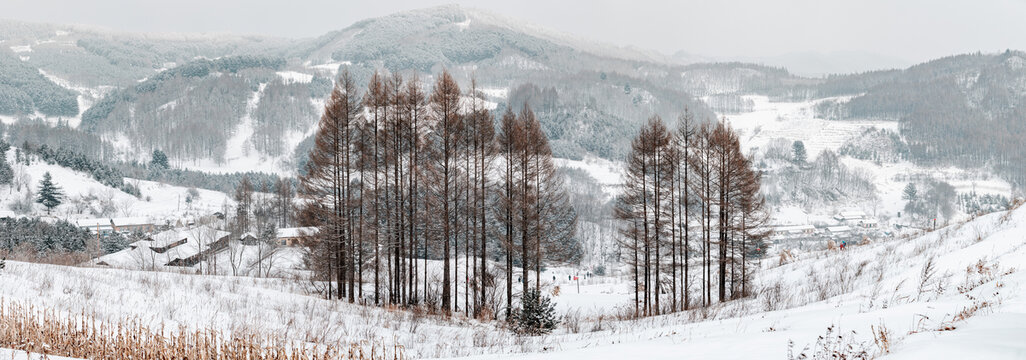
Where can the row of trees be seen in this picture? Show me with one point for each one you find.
(398, 177)
(689, 195)
(257, 220)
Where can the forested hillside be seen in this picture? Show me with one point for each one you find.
(141, 90)
(963, 110)
(252, 100)
(23, 90)
(207, 99)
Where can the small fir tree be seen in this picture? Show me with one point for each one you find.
(800, 155)
(6, 173)
(910, 193)
(160, 160)
(537, 315)
(49, 194)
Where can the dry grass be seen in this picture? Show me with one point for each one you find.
(49, 332)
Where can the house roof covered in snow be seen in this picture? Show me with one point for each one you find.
(851, 215)
(144, 254)
(794, 228)
(838, 229)
(297, 232)
(123, 221)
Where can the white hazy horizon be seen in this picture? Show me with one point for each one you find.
(811, 32)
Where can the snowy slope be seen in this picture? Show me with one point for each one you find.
(927, 311)
(771, 121)
(856, 292)
(158, 202)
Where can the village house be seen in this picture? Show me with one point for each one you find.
(177, 247)
(850, 217)
(838, 231)
(794, 230)
(868, 223)
(301, 236)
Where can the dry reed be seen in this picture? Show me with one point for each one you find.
(48, 332)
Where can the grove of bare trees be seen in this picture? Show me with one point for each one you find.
(422, 200)
(690, 201)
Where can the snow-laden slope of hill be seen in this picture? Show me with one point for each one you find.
(929, 295)
(84, 197)
(775, 125)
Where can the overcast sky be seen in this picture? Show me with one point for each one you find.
(913, 30)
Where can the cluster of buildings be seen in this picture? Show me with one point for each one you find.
(180, 243)
(847, 224)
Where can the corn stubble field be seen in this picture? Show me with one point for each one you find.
(48, 332)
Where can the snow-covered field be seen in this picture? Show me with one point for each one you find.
(8, 354)
(796, 121)
(159, 201)
(605, 172)
(937, 295)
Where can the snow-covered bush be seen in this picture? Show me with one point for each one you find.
(537, 315)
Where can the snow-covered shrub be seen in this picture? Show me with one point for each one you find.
(537, 315)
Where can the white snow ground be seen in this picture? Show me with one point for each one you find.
(793, 121)
(159, 202)
(8, 354)
(857, 292)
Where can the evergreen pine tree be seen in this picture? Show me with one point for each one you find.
(537, 315)
(113, 242)
(799, 152)
(49, 194)
(160, 160)
(910, 193)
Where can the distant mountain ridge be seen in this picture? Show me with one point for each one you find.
(589, 96)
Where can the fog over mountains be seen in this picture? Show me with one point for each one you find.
(451, 182)
(138, 92)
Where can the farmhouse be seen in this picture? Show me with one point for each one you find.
(296, 236)
(839, 230)
(868, 223)
(795, 230)
(179, 247)
(850, 217)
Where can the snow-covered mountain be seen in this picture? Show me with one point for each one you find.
(137, 91)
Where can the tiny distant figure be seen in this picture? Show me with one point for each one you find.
(568, 278)
(843, 244)
(520, 279)
(553, 277)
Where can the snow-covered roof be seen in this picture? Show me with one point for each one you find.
(794, 228)
(123, 221)
(297, 232)
(142, 256)
(851, 214)
(837, 229)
